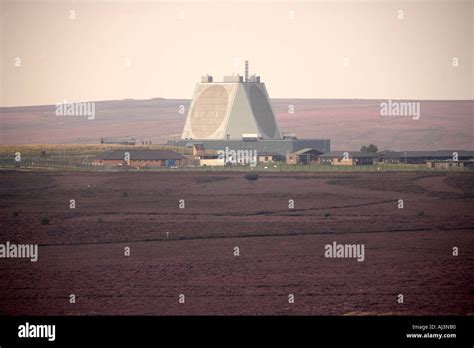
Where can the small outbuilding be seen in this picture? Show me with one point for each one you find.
(269, 157)
(303, 156)
(140, 158)
(449, 164)
(348, 158)
(211, 160)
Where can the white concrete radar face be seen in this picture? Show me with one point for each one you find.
(208, 114)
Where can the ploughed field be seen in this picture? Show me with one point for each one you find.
(191, 251)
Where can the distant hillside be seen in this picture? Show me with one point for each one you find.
(348, 123)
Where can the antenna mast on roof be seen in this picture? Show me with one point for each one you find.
(246, 71)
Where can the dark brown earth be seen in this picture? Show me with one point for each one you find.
(407, 251)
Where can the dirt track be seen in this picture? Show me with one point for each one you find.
(407, 251)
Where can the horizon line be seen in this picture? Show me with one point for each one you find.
(278, 98)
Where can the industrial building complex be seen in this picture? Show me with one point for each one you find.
(233, 123)
(237, 114)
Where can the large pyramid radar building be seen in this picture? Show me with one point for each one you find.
(233, 109)
(237, 114)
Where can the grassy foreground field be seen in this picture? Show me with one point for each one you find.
(191, 251)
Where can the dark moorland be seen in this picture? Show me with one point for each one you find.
(407, 251)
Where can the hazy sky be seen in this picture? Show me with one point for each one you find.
(128, 49)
